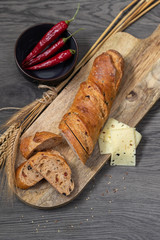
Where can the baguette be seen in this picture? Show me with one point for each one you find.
(92, 103)
(55, 170)
(39, 142)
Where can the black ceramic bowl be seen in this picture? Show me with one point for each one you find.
(51, 76)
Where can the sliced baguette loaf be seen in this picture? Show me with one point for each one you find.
(55, 170)
(39, 142)
(105, 77)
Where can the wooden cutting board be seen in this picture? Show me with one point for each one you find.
(139, 90)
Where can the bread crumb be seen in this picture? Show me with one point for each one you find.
(115, 190)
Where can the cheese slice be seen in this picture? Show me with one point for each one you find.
(104, 147)
(116, 139)
(123, 147)
(114, 124)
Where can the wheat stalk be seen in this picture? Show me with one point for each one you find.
(8, 179)
(11, 158)
(23, 119)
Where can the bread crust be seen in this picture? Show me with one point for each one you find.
(104, 80)
(38, 142)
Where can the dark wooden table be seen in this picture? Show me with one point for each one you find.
(121, 202)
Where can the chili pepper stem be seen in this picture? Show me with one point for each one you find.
(72, 19)
(66, 39)
(72, 51)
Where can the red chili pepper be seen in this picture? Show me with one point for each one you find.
(59, 58)
(50, 51)
(51, 35)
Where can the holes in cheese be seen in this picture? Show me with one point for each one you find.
(109, 140)
(124, 147)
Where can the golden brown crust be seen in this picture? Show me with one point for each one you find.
(92, 92)
(25, 146)
(102, 67)
(77, 126)
(118, 62)
(19, 182)
(38, 142)
(92, 106)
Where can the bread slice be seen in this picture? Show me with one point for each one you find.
(55, 170)
(26, 176)
(76, 125)
(73, 142)
(92, 92)
(39, 142)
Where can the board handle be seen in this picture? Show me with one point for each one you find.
(156, 72)
(155, 35)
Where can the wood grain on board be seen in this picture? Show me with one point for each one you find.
(139, 90)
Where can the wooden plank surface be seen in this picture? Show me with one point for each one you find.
(120, 203)
(140, 89)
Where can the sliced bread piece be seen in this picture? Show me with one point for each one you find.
(39, 142)
(55, 170)
(26, 176)
(92, 92)
(76, 125)
(73, 142)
